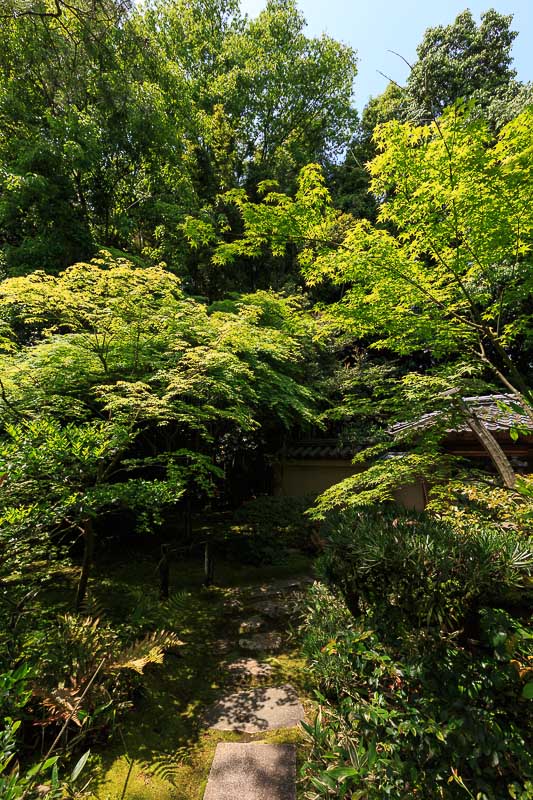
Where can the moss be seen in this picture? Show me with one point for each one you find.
(160, 750)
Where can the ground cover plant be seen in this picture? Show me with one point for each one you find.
(120, 397)
(421, 643)
(206, 256)
(141, 719)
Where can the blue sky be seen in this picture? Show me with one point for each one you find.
(376, 26)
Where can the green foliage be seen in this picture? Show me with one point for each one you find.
(119, 392)
(119, 120)
(419, 572)
(142, 350)
(447, 263)
(282, 515)
(456, 267)
(470, 500)
(463, 60)
(16, 784)
(460, 61)
(395, 722)
(69, 652)
(268, 526)
(77, 676)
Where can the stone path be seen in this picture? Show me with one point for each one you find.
(257, 710)
(252, 625)
(246, 668)
(250, 771)
(262, 641)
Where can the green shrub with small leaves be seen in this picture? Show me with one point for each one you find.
(43, 777)
(441, 722)
(270, 526)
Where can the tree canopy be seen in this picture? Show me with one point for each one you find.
(117, 122)
(446, 270)
(118, 391)
(221, 289)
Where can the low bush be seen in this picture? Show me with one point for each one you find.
(447, 724)
(268, 527)
(415, 572)
(42, 779)
(64, 680)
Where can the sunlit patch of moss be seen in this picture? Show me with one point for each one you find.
(162, 739)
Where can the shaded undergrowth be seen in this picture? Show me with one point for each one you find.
(161, 749)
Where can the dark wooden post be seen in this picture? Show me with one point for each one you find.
(209, 565)
(88, 554)
(188, 517)
(164, 573)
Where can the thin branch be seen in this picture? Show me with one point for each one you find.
(16, 14)
(389, 79)
(66, 722)
(405, 61)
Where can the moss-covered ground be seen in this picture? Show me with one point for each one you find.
(160, 750)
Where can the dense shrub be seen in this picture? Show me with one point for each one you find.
(64, 680)
(449, 723)
(43, 777)
(416, 572)
(269, 526)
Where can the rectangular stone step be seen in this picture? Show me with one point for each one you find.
(252, 772)
(256, 710)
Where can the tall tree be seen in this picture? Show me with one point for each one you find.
(118, 122)
(89, 141)
(119, 392)
(449, 275)
(464, 60)
(266, 99)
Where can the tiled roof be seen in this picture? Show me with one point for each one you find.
(488, 408)
(318, 448)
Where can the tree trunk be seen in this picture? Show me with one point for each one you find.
(164, 573)
(188, 517)
(88, 553)
(491, 445)
(209, 566)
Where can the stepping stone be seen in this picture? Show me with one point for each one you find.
(264, 591)
(223, 646)
(233, 605)
(249, 668)
(252, 772)
(281, 586)
(261, 641)
(256, 710)
(272, 609)
(251, 625)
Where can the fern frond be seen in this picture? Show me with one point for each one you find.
(93, 608)
(179, 602)
(59, 704)
(150, 650)
(165, 766)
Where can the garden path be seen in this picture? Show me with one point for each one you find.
(256, 771)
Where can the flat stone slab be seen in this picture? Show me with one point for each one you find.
(223, 646)
(249, 668)
(272, 608)
(251, 625)
(233, 606)
(256, 710)
(252, 772)
(261, 641)
(275, 588)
